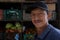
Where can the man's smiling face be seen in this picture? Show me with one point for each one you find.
(39, 17)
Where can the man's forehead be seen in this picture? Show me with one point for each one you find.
(37, 10)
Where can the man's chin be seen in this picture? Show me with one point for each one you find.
(39, 25)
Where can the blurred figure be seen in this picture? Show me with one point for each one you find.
(17, 36)
(40, 17)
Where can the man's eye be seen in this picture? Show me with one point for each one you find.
(33, 14)
(40, 13)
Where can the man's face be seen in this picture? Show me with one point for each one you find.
(39, 17)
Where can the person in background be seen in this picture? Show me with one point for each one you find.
(40, 17)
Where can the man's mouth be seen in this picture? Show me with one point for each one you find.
(37, 21)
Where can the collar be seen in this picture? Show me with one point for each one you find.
(44, 34)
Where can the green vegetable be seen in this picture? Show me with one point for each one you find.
(9, 25)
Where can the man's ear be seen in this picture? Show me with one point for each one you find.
(49, 15)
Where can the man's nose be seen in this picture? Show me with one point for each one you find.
(36, 18)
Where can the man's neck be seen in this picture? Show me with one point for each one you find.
(40, 30)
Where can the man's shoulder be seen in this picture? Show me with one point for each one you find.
(54, 32)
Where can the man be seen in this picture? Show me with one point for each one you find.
(40, 16)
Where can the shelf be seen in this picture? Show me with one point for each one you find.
(8, 5)
(10, 0)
